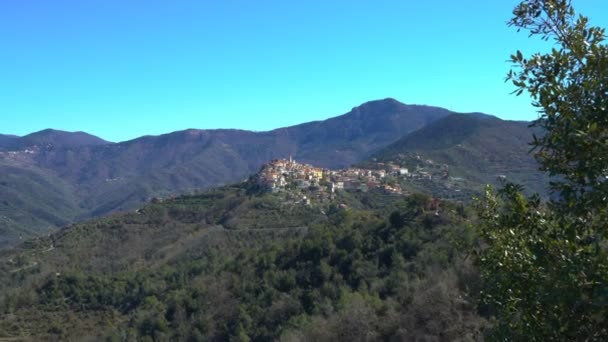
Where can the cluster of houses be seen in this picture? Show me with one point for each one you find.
(22, 157)
(13, 154)
(283, 174)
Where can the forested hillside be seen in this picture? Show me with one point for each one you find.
(231, 264)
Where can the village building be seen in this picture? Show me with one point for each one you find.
(321, 184)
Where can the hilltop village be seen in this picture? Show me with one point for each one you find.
(282, 175)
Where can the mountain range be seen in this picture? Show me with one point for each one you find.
(51, 178)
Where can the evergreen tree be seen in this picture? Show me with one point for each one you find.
(545, 265)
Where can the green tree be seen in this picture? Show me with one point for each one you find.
(545, 265)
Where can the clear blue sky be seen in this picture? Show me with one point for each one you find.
(124, 68)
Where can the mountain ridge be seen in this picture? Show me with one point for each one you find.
(50, 138)
(7, 140)
(480, 147)
(100, 177)
(367, 107)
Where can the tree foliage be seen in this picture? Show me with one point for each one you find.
(545, 265)
(380, 268)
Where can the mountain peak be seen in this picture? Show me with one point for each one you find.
(387, 100)
(379, 106)
(55, 137)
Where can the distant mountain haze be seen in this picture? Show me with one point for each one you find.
(64, 177)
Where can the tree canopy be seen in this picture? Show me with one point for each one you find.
(545, 265)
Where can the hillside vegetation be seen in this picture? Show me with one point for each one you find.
(230, 264)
